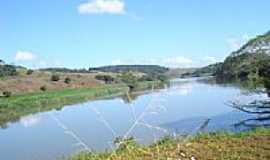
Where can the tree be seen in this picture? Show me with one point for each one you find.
(106, 78)
(7, 70)
(29, 72)
(43, 88)
(2, 62)
(67, 80)
(55, 77)
(7, 93)
(130, 79)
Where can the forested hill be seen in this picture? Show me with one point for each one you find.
(250, 62)
(8, 70)
(260, 44)
(148, 69)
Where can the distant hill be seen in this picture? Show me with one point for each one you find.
(148, 69)
(249, 62)
(210, 70)
(7, 70)
(178, 72)
(65, 70)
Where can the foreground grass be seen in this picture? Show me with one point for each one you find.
(16, 106)
(252, 145)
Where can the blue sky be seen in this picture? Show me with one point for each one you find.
(87, 33)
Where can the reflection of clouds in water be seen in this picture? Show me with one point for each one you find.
(30, 121)
(183, 90)
(249, 98)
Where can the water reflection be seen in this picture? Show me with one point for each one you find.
(30, 121)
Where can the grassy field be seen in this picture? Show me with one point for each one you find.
(252, 145)
(23, 83)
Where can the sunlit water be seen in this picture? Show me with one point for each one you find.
(180, 109)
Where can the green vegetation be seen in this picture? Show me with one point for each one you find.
(135, 82)
(244, 67)
(251, 63)
(113, 69)
(65, 70)
(147, 69)
(2, 62)
(129, 78)
(67, 80)
(43, 88)
(180, 72)
(7, 70)
(55, 77)
(210, 70)
(29, 72)
(106, 78)
(250, 145)
(7, 94)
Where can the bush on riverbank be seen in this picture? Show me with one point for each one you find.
(55, 77)
(7, 94)
(67, 80)
(106, 78)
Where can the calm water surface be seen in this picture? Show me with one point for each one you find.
(181, 108)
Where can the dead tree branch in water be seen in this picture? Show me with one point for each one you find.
(247, 123)
(256, 107)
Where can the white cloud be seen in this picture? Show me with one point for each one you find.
(183, 90)
(24, 56)
(102, 6)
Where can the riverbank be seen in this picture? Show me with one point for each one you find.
(252, 145)
(16, 106)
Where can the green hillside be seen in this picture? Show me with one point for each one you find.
(250, 62)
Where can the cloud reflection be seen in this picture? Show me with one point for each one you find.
(30, 121)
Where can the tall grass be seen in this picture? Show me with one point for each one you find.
(252, 145)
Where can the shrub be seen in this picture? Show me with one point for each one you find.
(7, 93)
(267, 85)
(67, 80)
(128, 78)
(106, 78)
(55, 77)
(146, 78)
(43, 88)
(29, 72)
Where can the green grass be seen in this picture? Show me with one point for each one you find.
(252, 145)
(16, 106)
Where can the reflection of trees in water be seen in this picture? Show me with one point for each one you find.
(259, 108)
(129, 97)
(254, 122)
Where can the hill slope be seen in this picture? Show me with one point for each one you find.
(250, 62)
